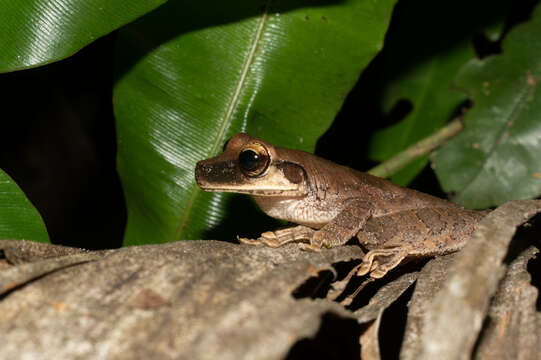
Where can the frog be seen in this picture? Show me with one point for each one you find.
(331, 204)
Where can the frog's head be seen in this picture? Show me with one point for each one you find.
(252, 166)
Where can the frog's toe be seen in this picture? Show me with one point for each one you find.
(310, 247)
(249, 241)
(364, 268)
(379, 262)
(270, 239)
(379, 272)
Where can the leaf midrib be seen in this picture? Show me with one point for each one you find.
(228, 115)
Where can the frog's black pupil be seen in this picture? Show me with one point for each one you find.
(248, 159)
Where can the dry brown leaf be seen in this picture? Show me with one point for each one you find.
(208, 299)
(513, 329)
(183, 300)
(429, 282)
(369, 340)
(455, 317)
(385, 297)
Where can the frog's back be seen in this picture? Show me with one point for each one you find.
(385, 191)
(335, 184)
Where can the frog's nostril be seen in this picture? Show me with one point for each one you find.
(200, 168)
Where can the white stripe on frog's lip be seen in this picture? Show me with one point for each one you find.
(258, 192)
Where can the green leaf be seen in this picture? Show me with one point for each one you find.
(428, 87)
(18, 218)
(496, 158)
(422, 56)
(193, 74)
(37, 32)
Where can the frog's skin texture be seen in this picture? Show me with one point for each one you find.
(333, 203)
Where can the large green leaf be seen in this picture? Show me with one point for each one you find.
(18, 218)
(191, 75)
(419, 65)
(496, 157)
(37, 32)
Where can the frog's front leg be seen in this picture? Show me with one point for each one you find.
(342, 228)
(281, 237)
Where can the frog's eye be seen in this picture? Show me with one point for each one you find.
(254, 160)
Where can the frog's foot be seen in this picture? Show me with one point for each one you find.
(249, 241)
(310, 247)
(281, 237)
(379, 262)
(320, 239)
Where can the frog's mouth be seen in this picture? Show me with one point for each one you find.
(225, 176)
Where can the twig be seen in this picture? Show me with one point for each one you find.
(424, 146)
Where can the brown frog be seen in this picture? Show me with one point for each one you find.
(333, 203)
